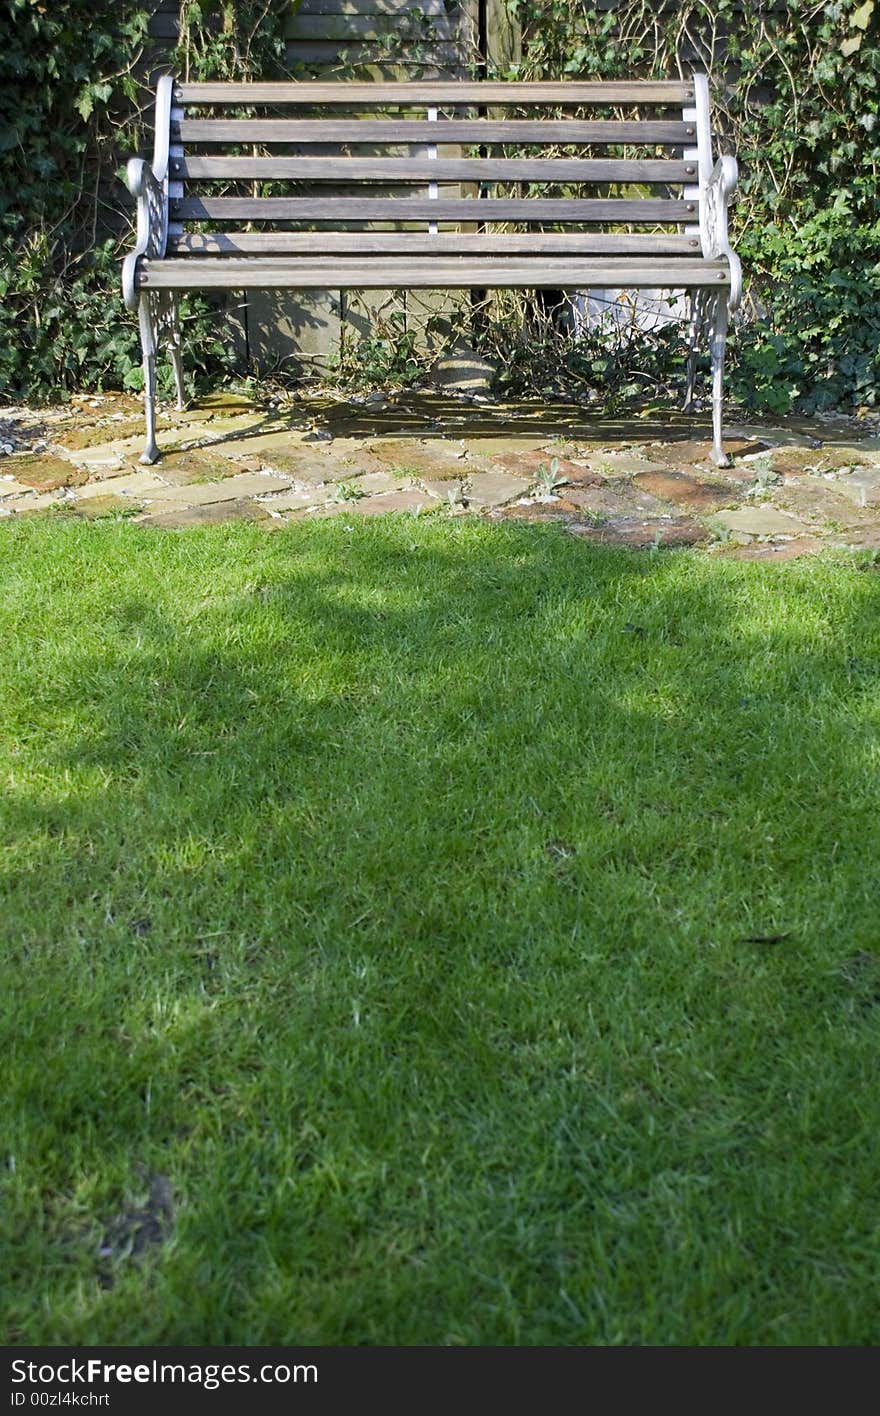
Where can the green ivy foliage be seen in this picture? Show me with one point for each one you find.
(72, 92)
(797, 88)
(65, 94)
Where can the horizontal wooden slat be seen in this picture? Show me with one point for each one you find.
(366, 27)
(329, 51)
(431, 8)
(433, 94)
(421, 243)
(445, 130)
(425, 169)
(423, 209)
(438, 272)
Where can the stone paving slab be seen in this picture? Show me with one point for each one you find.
(118, 452)
(372, 483)
(319, 463)
(774, 550)
(11, 487)
(254, 443)
(179, 469)
(492, 444)
(491, 489)
(411, 500)
(44, 473)
(696, 451)
(106, 460)
(619, 498)
(862, 486)
(136, 484)
(81, 439)
(767, 433)
(26, 506)
(526, 509)
(242, 484)
(801, 462)
(641, 479)
(432, 459)
(679, 531)
(686, 491)
(443, 487)
(208, 515)
(867, 538)
(532, 462)
(762, 521)
(816, 501)
(104, 505)
(607, 463)
(294, 500)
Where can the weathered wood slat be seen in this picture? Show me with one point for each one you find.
(572, 211)
(357, 28)
(445, 130)
(431, 8)
(410, 170)
(412, 95)
(420, 243)
(418, 57)
(437, 272)
(367, 21)
(424, 169)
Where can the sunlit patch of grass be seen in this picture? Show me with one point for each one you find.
(430, 931)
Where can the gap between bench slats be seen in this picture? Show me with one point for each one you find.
(436, 272)
(334, 209)
(415, 169)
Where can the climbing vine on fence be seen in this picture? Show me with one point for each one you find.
(798, 88)
(798, 85)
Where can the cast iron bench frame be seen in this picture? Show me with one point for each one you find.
(308, 241)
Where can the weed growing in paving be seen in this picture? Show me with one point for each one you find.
(547, 479)
(434, 931)
(346, 492)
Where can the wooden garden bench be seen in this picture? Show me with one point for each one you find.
(377, 202)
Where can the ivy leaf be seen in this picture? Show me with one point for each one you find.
(84, 104)
(861, 18)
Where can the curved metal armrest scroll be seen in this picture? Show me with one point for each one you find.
(714, 199)
(152, 222)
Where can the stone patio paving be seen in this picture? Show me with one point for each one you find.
(795, 488)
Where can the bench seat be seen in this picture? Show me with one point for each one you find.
(458, 272)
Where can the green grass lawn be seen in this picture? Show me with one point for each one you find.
(422, 931)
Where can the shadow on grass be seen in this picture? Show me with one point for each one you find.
(451, 915)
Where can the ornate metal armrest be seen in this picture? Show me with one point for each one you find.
(152, 222)
(714, 198)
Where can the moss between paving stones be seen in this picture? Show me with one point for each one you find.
(44, 472)
(797, 461)
(108, 504)
(816, 500)
(78, 438)
(180, 469)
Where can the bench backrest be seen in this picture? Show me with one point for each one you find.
(321, 167)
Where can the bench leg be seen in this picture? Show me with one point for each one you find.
(699, 301)
(174, 344)
(148, 324)
(717, 342)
